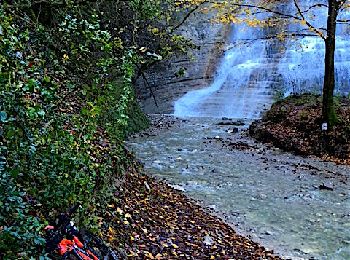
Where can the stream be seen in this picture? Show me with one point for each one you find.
(297, 206)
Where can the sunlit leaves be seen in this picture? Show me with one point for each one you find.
(259, 13)
(189, 3)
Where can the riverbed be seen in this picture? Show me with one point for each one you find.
(297, 206)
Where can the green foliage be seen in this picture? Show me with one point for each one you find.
(66, 103)
(49, 150)
(309, 99)
(147, 9)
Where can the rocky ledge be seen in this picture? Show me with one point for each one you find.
(171, 79)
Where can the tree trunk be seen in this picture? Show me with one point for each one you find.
(328, 110)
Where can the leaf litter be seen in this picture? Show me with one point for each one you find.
(150, 220)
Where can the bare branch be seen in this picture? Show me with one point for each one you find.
(140, 72)
(268, 10)
(314, 6)
(343, 21)
(270, 37)
(186, 17)
(307, 22)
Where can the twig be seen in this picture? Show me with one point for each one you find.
(308, 23)
(186, 17)
(148, 85)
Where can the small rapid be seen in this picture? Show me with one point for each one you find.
(275, 198)
(269, 195)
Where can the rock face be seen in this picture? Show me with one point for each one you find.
(198, 67)
(245, 79)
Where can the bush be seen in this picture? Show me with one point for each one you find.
(59, 137)
(67, 102)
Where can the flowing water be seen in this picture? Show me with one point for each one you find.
(302, 65)
(242, 84)
(257, 66)
(273, 197)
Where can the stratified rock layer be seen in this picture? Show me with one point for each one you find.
(198, 67)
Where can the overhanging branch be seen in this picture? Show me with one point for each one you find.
(186, 17)
(307, 22)
(314, 6)
(283, 15)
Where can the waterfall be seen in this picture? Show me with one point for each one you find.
(302, 66)
(255, 67)
(239, 78)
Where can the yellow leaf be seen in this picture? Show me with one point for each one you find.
(119, 210)
(155, 30)
(110, 229)
(127, 215)
(149, 255)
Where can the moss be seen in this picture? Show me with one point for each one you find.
(307, 99)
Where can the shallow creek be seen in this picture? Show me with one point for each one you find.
(297, 206)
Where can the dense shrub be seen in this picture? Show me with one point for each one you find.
(66, 103)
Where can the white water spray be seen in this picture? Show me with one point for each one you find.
(252, 69)
(302, 66)
(229, 92)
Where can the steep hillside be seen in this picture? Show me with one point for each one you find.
(66, 103)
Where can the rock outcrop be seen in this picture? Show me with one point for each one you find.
(198, 67)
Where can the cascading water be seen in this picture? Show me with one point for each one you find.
(257, 66)
(240, 85)
(302, 66)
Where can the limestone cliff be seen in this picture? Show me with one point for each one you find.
(199, 66)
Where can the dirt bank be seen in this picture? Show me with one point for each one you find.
(294, 124)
